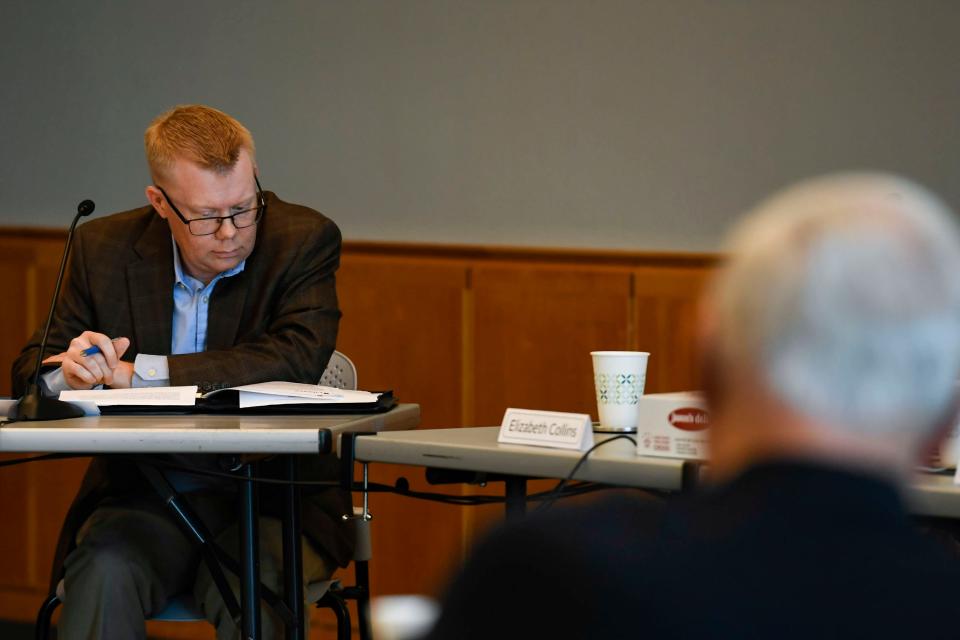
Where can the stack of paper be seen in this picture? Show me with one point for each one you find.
(263, 394)
(145, 397)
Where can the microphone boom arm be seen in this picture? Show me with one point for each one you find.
(81, 212)
(34, 405)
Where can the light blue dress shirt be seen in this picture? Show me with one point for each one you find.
(191, 305)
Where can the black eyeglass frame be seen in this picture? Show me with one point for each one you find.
(261, 208)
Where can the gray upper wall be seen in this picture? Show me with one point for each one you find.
(635, 125)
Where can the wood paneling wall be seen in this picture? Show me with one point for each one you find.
(464, 331)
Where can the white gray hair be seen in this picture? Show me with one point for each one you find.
(844, 293)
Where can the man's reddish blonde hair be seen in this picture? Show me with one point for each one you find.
(196, 133)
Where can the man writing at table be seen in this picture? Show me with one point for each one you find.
(215, 283)
(832, 337)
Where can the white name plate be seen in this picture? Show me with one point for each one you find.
(547, 429)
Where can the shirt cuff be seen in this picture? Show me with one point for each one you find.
(53, 382)
(150, 371)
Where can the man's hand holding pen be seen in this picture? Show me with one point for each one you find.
(92, 359)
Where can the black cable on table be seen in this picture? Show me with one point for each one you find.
(402, 488)
(557, 490)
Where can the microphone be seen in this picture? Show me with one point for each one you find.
(34, 405)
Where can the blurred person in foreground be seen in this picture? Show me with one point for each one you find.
(831, 341)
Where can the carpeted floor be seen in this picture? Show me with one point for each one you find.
(18, 631)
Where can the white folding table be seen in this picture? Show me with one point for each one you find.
(476, 449)
(218, 434)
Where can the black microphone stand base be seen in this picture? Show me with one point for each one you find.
(35, 406)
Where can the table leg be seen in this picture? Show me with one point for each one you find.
(292, 551)
(515, 488)
(690, 475)
(250, 556)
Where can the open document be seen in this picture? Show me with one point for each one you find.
(265, 394)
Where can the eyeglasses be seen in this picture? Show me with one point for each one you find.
(210, 225)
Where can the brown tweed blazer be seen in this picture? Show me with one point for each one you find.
(276, 320)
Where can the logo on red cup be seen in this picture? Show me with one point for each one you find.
(689, 419)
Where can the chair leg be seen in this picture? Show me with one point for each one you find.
(42, 629)
(362, 570)
(340, 610)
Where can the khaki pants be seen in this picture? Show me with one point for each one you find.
(131, 558)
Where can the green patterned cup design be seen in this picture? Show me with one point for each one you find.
(619, 377)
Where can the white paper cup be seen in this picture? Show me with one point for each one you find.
(402, 617)
(619, 377)
(945, 455)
